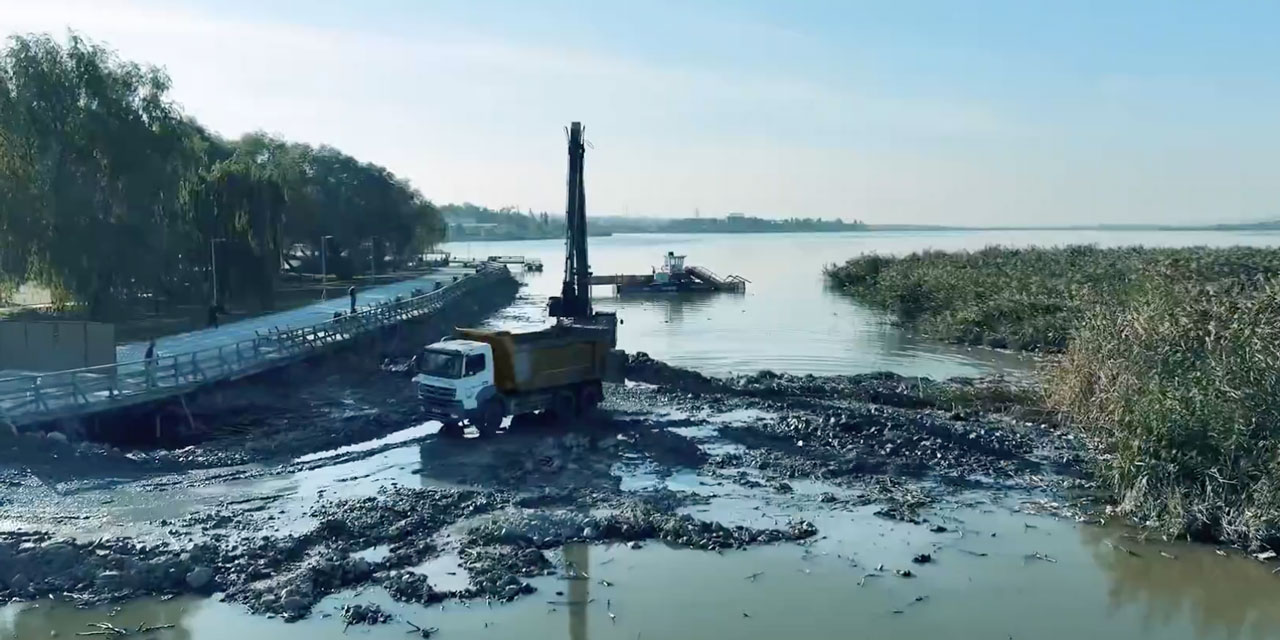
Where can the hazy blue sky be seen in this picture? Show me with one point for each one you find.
(921, 112)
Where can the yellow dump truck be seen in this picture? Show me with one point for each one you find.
(482, 376)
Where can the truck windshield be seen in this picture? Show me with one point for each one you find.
(440, 364)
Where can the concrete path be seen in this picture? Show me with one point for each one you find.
(319, 311)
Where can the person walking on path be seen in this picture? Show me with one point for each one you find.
(213, 316)
(150, 358)
(352, 293)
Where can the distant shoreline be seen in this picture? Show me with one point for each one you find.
(1251, 226)
(606, 234)
(871, 228)
(509, 238)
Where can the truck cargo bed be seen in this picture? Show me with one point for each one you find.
(560, 355)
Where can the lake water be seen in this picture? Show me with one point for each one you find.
(788, 320)
(985, 582)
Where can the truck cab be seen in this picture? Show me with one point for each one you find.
(481, 376)
(455, 378)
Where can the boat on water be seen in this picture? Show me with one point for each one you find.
(673, 276)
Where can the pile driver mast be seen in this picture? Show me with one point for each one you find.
(574, 302)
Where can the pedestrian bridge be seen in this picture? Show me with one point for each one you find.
(186, 362)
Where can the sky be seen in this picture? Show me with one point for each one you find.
(1023, 112)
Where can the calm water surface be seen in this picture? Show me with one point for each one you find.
(788, 320)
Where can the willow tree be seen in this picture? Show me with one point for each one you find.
(240, 205)
(92, 153)
(331, 194)
(109, 194)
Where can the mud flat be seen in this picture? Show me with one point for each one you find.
(885, 495)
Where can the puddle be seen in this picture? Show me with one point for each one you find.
(445, 572)
(708, 439)
(374, 554)
(283, 499)
(807, 487)
(689, 481)
(741, 416)
(741, 510)
(635, 476)
(404, 435)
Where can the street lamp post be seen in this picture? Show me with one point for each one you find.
(324, 267)
(213, 265)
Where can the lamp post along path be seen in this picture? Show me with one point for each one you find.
(324, 267)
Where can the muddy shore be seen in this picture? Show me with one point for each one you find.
(501, 505)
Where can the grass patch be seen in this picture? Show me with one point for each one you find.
(985, 395)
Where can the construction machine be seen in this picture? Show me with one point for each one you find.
(481, 377)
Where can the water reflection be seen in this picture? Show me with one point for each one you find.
(47, 619)
(1232, 596)
(577, 558)
(671, 307)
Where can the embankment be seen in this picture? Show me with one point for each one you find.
(231, 405)
(1170, 365)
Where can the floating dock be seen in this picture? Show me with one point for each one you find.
(674, 276)
(529, 264)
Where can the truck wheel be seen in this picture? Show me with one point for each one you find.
(490, 418)
(588, 399)
(452, 429)
(566, 405)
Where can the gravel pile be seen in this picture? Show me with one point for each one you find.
(364, 614)
(880, 423)
(546, 530)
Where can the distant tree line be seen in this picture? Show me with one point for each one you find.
(734, 223)
(468, 221)
(749, 224)
(109, 193)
